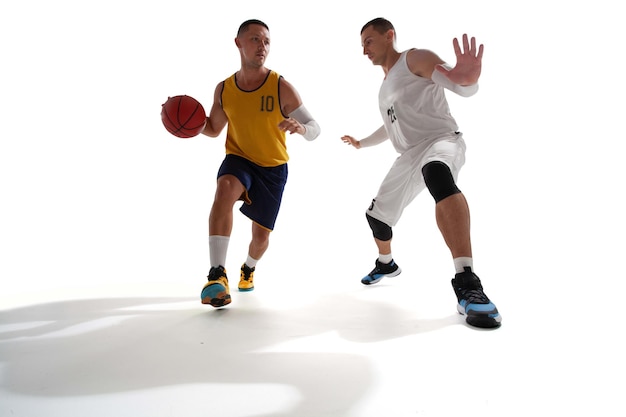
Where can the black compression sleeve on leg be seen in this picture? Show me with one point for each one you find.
(380, 230)
(439, 180)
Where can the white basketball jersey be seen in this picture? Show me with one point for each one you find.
(414, 109)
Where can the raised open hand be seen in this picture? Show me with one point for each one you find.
(468, 62)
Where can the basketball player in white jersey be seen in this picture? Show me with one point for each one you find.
(418, 122)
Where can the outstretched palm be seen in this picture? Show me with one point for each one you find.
(468, 62)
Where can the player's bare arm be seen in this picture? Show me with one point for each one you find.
(217, 119)
(290, 100)
(298, 120)
(468, 62)
(422, 62)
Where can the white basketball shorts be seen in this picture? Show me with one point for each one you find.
(405, 181)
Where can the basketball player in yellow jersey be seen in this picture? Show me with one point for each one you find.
(260, 107)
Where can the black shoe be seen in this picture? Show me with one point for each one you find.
(473, 303)
(381, 271)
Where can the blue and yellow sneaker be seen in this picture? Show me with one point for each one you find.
(246, 278)
(216, 291)
(381, 271)
(473, 303)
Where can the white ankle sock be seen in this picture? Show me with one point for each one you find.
(385, 258)
(251, 262)
(461, 262)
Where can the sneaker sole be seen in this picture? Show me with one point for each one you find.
(246, 289)
(215, 298)
(374, 281)
(217, 302)
(482, 321)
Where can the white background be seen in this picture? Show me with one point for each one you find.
(100, 203)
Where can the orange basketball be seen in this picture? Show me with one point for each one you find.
(183, 116)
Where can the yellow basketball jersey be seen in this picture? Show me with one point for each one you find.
(253, 118)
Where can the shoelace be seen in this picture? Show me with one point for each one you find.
(475, 296)
(246, 274)
(216, 275)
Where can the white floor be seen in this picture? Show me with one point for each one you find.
(326, 348)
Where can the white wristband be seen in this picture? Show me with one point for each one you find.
(302, 115)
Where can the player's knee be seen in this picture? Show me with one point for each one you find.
(229, 189)
(380, 230)
(439, 180)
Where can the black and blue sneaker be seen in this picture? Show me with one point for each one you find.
(381, 271)
(473, 303)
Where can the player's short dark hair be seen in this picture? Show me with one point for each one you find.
(380, 25)
(244, 26)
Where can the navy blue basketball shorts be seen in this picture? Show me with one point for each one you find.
(264, 188)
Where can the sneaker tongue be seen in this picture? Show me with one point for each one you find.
(469, 281)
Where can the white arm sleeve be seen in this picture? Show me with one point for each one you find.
(462, 90)
(379, 136)
(302, 115)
